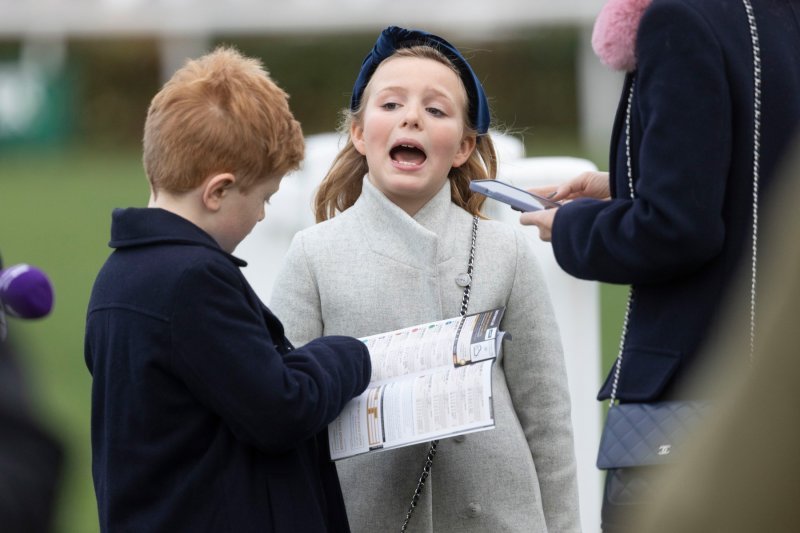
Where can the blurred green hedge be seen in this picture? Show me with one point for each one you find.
(530, 79)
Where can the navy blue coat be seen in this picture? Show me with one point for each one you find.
(203, 416)
(682, 239)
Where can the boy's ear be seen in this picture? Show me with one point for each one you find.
(464, 150)
(357, 136)
(216, 188)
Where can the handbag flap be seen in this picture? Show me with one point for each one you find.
(645, 434)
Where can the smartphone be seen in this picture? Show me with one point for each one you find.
(518, 199)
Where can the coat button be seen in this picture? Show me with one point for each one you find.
(460, 438)
(474, 509)
(463, 279)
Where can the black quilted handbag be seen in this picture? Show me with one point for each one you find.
(647, 434)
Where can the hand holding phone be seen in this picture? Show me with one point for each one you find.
(517, 198)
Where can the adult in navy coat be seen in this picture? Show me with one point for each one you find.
(688, 227)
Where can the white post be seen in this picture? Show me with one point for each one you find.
(577, 308)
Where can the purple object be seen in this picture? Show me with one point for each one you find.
(25, 291)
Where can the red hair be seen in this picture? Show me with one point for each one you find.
(220, 113)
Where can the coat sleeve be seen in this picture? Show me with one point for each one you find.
(681, 148)
(295, 295)
(224, 353)
(537, 381)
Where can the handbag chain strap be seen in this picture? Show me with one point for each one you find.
(426, 468)
(756, 157)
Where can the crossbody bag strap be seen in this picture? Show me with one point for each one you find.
(751, 21)
(466, 280)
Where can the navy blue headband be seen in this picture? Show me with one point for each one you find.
(393, 38)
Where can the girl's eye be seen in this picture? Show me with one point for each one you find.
(390, 106)
(435, 112)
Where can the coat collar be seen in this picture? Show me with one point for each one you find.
(614, 33)
(140, 226)
(421, 241)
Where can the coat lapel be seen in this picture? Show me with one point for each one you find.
(421, 241)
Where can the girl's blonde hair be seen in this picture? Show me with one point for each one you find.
(341, 187)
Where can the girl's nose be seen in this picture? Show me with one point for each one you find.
(411, 118)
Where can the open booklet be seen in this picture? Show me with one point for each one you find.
(428, 381)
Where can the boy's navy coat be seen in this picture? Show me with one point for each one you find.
(203, 416)
(692, 158)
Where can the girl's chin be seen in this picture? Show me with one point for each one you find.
(411, 188)
(407, 183)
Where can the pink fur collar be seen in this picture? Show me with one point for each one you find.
(614, 35)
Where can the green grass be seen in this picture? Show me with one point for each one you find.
(55, 211)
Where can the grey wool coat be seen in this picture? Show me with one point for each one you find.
(373, 268)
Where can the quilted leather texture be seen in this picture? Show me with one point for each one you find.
(643, 434)
(632, 486)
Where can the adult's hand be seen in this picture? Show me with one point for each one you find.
(588, 184)
(542, 219)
